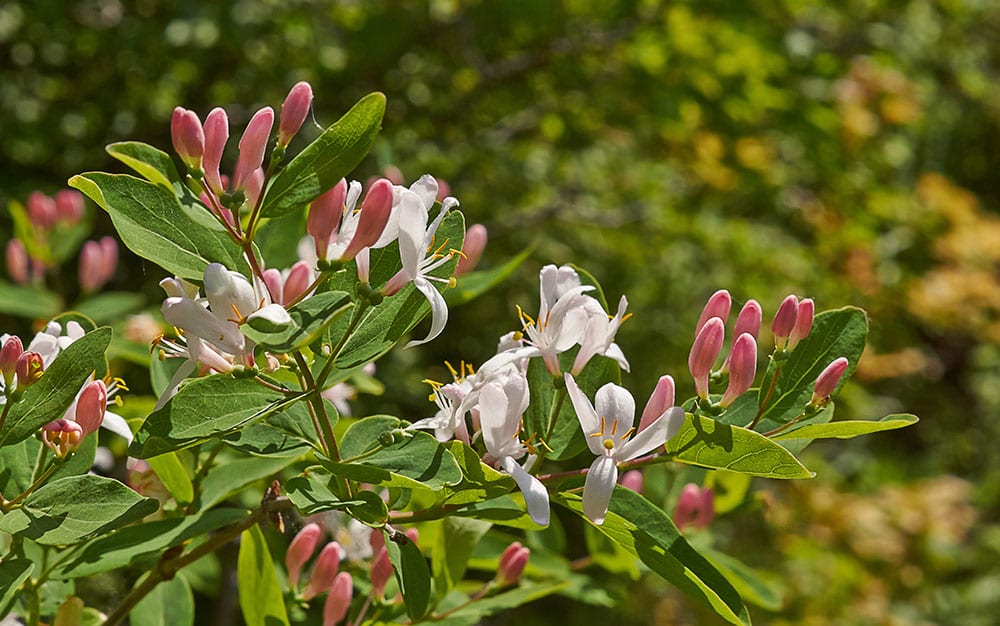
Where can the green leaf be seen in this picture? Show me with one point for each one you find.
(110, 306)
(48, 399)
(152, 164)
(326, 160)
(260, 593)
(456, 539)
(151, 221)
(232, 476)
(526, 592)
(13, 572)
(362, 435)
(711, 444)
(761, 588)
(646, 531)
(143, 542)
(312, 493)
(35, 303)
(479, 481)
(205, 408)
(310, 318)
(72, 509)
(170, 603)
(474, 284)
(506, 510)
(848, 428)
(412, 574)
(18, 464)
(174, 477)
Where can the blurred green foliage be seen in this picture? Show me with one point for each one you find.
(844, 151)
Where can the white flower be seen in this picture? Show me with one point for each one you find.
(608, 426)
(600, 335)
(453, 400)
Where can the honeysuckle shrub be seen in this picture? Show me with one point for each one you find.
(426, 517)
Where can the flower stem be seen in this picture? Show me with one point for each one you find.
(316, 403)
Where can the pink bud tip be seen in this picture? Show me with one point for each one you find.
(324, 571)
(90, 406)
(300, 550)
(9, 354)
(632, 479)
(90, 266)
(749, 319)
(394, 174)
(216, 135)
(300, 277)
(29, 368)
(742, 368)
(62, 436)
(695, 507)
(381, 573)
(784, 320)
(829, 378)
(444, 189)
(253, 144)
(274, 282)
(375, 210)
(42, 210)
(18, 263)
(803, 322)
(325, 214)
(512, 563)
(472, 249)
(339, 601)
(718, 305)
(188, 136)
(69, 205)
(294, 111)
(705, 350)
(659, 401)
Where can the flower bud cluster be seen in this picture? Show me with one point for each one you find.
(741, 363)
(695, 507)
(98, 263)
(28, 258)
(324, 577)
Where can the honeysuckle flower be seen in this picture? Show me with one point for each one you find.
(290, 285)
(742, 368)
(9, 354)
(90, 408)
(253, 145)
(54, 339)
(695, 507)
(188, 136)
(502, 402)
(659, 401)
(294, 110)
(339, 229)
(29, 368)
(324, 572)
(216, 136)
(62, 436)
(511, 565)
(827, 381)
(803, 322)
(608, 426)
(339, 600)
(784, 321)
(599, 336)
(704, 352)
(454, 400)
(718, 305)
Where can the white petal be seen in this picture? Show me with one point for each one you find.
(439, 309)
(599, 486)
(412, 228)
(117, 424)
(615, 404)
(589, 421)
(502, 359)
(186, 368)
(274, 314)
(536, 498)
(654, 435)
(614, 352)
(426, 188)
(493, 418)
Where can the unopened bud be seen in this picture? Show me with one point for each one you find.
(300, 277)
(324, 572)
(9, 354)
(659, 401)
(42, 210)
(784, 321)
(253, 144)
(512, 563)
(29, 368)
(749, 319)
(188, 137)
(472, 249)
(705, 350)
(381, 572)
(718, 305)
(294, 110)
(300, 550)
(827, 381)
(444, 189)
(18, 263)
(632, 479)
(216, 135)
(803, 322)
(742, 368)
(69, 205)
(325, 214)
(62, 436)
(275, 285)
(375, 211)
(254, 186)
(92, 267)
(695, 507)
(339, 601)
(90, 406)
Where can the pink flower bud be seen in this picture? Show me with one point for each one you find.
(294, 110)
(375, 210)
(705, 350)
(749, 319)
(512, 563)
(472, 249)
(784, 321)
(381, 572)
(253, 144)
(18, 262)
(29, 369)
(9, 354)
(659, 401)
(803, 322)
(695, 507)
(339, 601)
(109, 265)
(216, 135)
(42, 210)
(62, 436)
(254, 186)
(325, 214)
(444, 189)
(827, 381)
(324, 572)
(69, 205)
(742, 368)
(91, 261)
(300, 277)
(718, 305)
(275, 285)
(90, 406)
(394, 174)
(300, 550)
(632, 479)
(188, 136)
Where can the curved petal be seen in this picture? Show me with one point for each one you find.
(536, 498)
(412, 228)
(616, 405)
(656, 434)
(185, 370)
(117, 424)
(598, 488)
(589, 421)
(493, 418)
(439, 309)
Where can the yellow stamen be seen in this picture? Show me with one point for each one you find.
(609, 444)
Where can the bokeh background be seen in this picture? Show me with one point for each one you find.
(846, 151)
